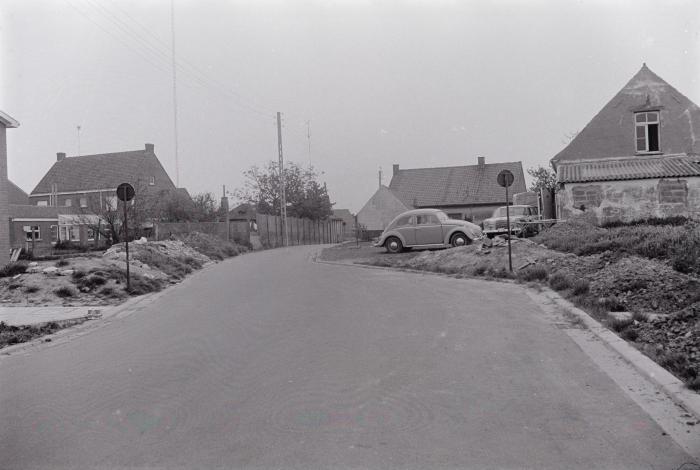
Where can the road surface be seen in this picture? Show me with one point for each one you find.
(272, 361)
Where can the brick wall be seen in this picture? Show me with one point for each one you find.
(4, 203)
(631, 200)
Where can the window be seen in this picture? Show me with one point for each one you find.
(151, 180)
(404, 221)
(427, 219)
(90, 234)
(69, 202)
(42, 203)
(111, 203)
(32, 232)
(70, 233)
(75, 233)
(647, 131)
(455, 215)
(83, 202)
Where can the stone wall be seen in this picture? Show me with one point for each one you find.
(631, 200)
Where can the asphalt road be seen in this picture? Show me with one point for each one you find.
(272, 361)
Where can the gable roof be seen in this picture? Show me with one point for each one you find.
(455, 185)
(659, 166)
(15, 194)
(104, 171)
(7, 120)
(611, 132)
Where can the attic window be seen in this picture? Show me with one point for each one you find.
(151, 180)
(647, 131)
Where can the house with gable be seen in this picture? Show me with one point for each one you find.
(637, 158)
(468, 192)
(66, 203)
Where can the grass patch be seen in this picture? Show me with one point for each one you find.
(619, 324)
(10, 334)
(537, 272)
(31, 289)
(13, 269)
(65, 292)
(580, 287)
(111, 292)
(693, 384)
(176, 268)
(89, 282)
(559, 281)
(641, 317)
(141, 285)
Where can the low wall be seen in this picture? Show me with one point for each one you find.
(631, 200)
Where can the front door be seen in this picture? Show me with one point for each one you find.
(428, 230)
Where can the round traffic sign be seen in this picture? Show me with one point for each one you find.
(505, 178)
(125, 192)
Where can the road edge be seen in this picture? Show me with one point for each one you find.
(672, 386)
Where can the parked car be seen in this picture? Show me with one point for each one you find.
(519, 218)
(427, 228)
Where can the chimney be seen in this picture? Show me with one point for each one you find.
(149, 148)
(60, 156)
(396, 169)
(481, 161)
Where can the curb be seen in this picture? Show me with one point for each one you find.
(675, 388)
(672, 386)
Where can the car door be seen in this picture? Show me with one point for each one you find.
(428, 230)
(406, 226)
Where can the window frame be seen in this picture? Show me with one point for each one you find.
(645, 125)
(152, 180)
(32, 229)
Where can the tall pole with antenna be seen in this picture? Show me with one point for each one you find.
(78, 128)
(283, 197)
(172, 28)
(308, 136)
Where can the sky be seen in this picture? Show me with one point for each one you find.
(374, 83)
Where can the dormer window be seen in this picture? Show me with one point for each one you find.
(647, 131)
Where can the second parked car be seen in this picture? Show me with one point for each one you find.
(521, 218)
(427, 228)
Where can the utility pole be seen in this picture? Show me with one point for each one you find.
(380, 176)
(172, 28)
(283, 202)
(308, 137)
(78, 127)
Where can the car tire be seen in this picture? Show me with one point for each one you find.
(459, 239)
(393, 245)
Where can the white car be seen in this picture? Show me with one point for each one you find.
(427, 228)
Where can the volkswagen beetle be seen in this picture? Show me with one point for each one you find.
(426, 228)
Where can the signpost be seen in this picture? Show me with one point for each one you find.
(505, 178)
(125, 193)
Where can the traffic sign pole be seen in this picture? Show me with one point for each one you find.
(125, 193)
(505, 178)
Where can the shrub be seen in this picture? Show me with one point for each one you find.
(62, 262)
(65, 292)
(78, 274)
(31, 289)
(90, 282)
(580, 287)
(480, 270)
(142, 285)
(693, 384)
(13, 269)
(630, 334)
(612, 304)
(559, 281)
(537, 272)
(619, 324)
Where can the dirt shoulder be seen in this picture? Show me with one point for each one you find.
(644, 300)
(100, 279)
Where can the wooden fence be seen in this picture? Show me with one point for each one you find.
(269, 231)
(299, 231)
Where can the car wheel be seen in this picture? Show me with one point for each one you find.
(460, 239)
(393, 245)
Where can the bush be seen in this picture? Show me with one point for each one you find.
(537, 272)
(559, 281)
(65, 292)
(13, 269)
(580, 287)
(62, 262)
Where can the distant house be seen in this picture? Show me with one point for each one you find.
(6, 122)
(16, 195)
(380, 210)
(637, 158)
(91, 180)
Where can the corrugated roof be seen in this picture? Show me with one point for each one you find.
(104, 171)
(611, 132)
(630, 169)
(456, 185)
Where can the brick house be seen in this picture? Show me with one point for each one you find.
(380, 210)
(637, 158)
(6, 122)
